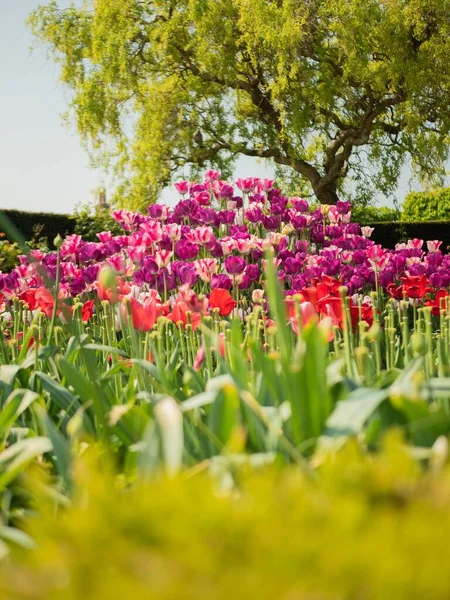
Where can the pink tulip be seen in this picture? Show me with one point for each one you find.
(152, 230)
(244, 245)
(182, 187)
(367, 231)
(70, 245)
(246, 184)
(173, 231)
(375, 253)
(105, 236)
(206, 267)
(212, 175)
(433, 246)
(347, 217)
(346, 257)
(200, 235)
(399, 247)
(203, 198)
(264, 185)
(228, 245)
(415, 244)
(163, 258)
(118, 263)
(333, 215)
(257, 296)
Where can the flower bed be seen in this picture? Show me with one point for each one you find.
(232, 329)
(216, 240)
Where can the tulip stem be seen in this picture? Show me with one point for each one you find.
(55, 304)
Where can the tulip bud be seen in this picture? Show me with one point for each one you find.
(58, 242)
(170, 421)
(374, 332)
(107, 278)
(257, 296)
(418, 345)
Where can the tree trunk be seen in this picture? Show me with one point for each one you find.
(326, 194)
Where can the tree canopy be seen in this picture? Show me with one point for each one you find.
(332, 91)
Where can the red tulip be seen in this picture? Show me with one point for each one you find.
(39, 298)
(366, 314)
(182, 313)
(221, 299)
(416, 286)
(331, 306)
(395, 291)
(87, 311)
(307, 313)
(144, 315)
(436, 303)
(110, 287)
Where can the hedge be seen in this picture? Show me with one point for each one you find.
(28, 222)
(389, 234)
(361, 529)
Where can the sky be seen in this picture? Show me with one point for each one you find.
(43, 166)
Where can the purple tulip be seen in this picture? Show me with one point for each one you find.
(299, 222)
(300, 204)
(188, 274)
(186, 250)
(221, 281)
(234, 265)
(271, 223)
(436, 280)
(245, 283)
(343, 207)
(253, 272)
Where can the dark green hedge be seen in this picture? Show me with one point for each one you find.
(389, 234)
(28, 224)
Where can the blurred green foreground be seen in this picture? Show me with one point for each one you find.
(356, 527)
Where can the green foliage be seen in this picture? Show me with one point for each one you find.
(324, 89)
(10, 251)
(9, 254)
(89, 222)
(374, 214)
(367, 529)
(433, 205)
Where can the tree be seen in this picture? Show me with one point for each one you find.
(331, 91)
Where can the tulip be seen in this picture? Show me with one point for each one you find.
(415, 244)
(222, 300)
(87, 311)
(367, 231)
(182, 187)
(234, 265)
(246, 184)
(433, 246)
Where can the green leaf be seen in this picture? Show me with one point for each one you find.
(17, 537)
(225, 413)
(16, 404)
(350, 416)
(60, 395)
(61, 449)
(17, 457)
(8, 373)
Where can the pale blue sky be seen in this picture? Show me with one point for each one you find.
(42, 164)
